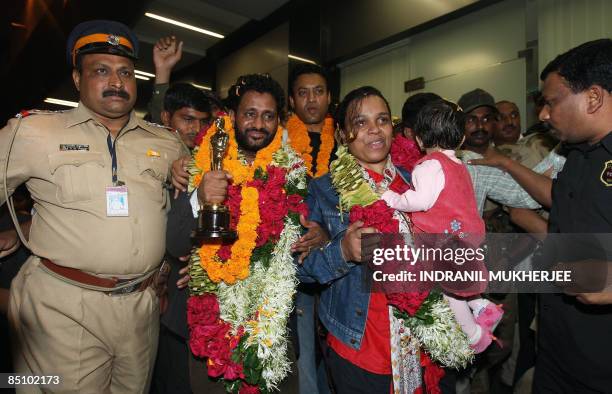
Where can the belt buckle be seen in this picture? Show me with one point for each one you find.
(124, 290)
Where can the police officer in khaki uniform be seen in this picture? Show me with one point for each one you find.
(83, 307)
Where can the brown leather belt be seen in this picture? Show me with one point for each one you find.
(86, 279)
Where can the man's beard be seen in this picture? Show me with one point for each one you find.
(243, 141)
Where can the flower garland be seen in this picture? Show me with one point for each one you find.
(236, 267)
(300, 142)
(426, 314)
(405, 152)
(241, 296)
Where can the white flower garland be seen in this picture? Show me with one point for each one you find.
(443, 339)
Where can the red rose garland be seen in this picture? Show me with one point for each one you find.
(405, 152)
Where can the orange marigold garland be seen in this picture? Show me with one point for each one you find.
(237, 267)
(300, 141)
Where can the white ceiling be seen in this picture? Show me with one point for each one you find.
(219, 16)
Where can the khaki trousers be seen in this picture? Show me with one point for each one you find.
(96, 343)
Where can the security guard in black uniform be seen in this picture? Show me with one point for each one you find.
(575, 330)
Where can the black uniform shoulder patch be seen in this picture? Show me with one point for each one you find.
(606, 173)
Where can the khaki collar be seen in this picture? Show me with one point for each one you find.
(83, 114)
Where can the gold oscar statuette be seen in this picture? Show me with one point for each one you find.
(214, 219)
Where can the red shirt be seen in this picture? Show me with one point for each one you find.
(374, 354)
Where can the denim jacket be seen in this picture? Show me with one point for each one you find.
(344, 300)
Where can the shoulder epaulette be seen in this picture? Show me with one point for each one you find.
(25, 113)
(161, 126)
(159, 130)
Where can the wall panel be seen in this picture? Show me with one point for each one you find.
(477, 50)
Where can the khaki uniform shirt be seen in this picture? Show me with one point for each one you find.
(527, 156)
(523, 154)
(68, 186)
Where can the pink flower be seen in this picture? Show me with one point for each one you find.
(202, 310)
(248, 389)
(295, 203)
(233, 371)
(216, 368)
(377, 215)
(405, 152)
(225, 252)
(276, 178)
(197, 344)
(407, 302)
(217, 348)
(233, 200)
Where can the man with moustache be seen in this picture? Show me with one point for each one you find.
(481, 126)
(480, 120)
(311, 134)
(310, 128)
(83, 306)
(507, 137)
(488, 182)
(509, 131)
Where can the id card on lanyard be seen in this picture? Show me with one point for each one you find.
(116, 195)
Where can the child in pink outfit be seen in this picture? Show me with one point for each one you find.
(443, 202)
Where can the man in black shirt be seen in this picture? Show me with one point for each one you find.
(311, 134)
(574, 344)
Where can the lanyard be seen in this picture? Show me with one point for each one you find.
(113, 153)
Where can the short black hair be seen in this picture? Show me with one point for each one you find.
(306, 68)
(261, 83)
(413, 105)
(440, 123)
(78, 63)
(584, 66)
(357, 96)
(181, 95)
(213, 100)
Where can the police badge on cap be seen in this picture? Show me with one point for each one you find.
(101, 36)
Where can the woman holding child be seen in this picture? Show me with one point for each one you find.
(378, 342)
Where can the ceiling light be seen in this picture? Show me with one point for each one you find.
(201, 87)
(61, 102)
(141, 77)
(301, 59)
(146, 74)
(183, 25)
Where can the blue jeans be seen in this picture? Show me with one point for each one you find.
(312, 377)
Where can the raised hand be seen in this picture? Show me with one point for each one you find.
(166, 53)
